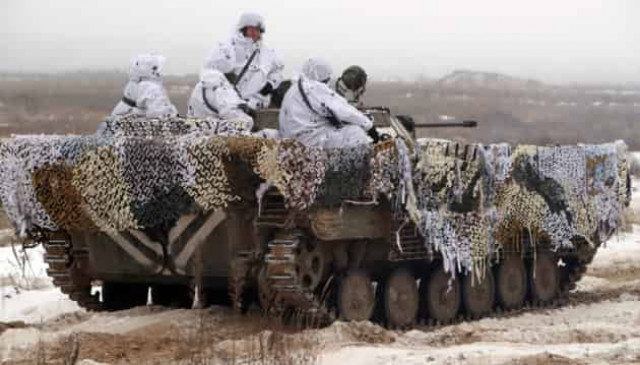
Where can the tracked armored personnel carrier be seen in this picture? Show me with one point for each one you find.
(403, 231)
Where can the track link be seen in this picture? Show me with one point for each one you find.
(284, 287)
(66, 268)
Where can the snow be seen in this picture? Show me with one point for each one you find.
(35, 306)
(617, 92)
(91, 362)
(24, 269)
(485, 353)
(27, 293)
(566, 103)
(621, 253)
(135, 319)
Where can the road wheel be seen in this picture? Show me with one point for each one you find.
(477, 295)
(441, 296)
(544, 277)
(511, 282)
(401, 299)
(355, 297)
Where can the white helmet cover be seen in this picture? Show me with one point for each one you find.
(317, 69)
(212, 78)
(250, 19)
(146, 66)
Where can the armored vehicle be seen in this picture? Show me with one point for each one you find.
(404, 231)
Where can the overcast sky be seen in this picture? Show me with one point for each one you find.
(552, 40)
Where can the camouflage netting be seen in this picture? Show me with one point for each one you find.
(466, 200)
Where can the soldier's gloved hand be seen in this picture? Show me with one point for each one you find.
(231, 77)
(248, 110)
(267, 89)
(278, 94)
(373, 133)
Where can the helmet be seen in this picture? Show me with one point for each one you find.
(354, 78)
(250, 19)
(212, 78)
(317, 69)
(146, 67)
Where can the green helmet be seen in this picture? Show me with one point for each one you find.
(354, 78)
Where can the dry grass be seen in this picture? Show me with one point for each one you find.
(209, 340)
(64, 351)
(263, 342)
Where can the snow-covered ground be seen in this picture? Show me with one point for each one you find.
(26, 293)
(600, 326)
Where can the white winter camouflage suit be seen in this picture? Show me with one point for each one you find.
(214, 96)
(313, 127)
(144, 91)
(231, 55)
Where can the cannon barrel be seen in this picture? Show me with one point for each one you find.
(461, 124)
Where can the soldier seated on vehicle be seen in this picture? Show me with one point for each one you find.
(213, 96)
(144, 94)
(317, 116)
(254, 69)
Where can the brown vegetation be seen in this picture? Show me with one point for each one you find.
(210, 339)
(77, 103)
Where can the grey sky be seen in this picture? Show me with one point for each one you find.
(552, 40)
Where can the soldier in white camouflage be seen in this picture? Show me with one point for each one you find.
(253, 69)
(144, 94)
(317, 116)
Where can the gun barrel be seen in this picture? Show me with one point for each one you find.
(462, 124)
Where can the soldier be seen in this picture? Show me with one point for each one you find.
(315, 115)
(144, 94)
(214, 96)
(253, 69)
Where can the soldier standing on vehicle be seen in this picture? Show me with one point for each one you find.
(144, 94)
(317, 116)
(214, 96)
(253, 69)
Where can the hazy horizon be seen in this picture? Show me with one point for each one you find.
(583, 41)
